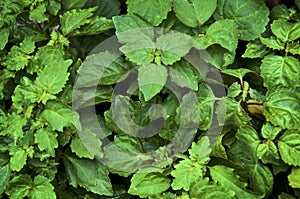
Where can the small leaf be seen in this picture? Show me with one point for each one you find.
(4, 34)
(78, 147)
(152, 79)
(194, 13)
(200, 151)
(71, 20)
(46, 140)
(255, 49)
(18, 160)
(42, 188)
(19, 186)
(73, 4)
(4, 177)
(285, 30)
(273, 43)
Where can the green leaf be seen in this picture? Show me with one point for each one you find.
(18, 160)
(238, 73)
(269, 131)
(234, 90)
(285, 30)
(294, 178)
(89, 174)
(184, 75)
(186, 173)
(223, 32)
(154, 11)
(49, 80)
(58, 115)
(244, 13)
(106, 8)
(255, 49)
(273, 43)
(172, 46)
(206, 101)
(96, 26)
(4, 177)
(200, 151)
(147, 184)
(151, 79)
(267, 152)
(206, 190)
(4, 34)
(226, 178)
(73, 4)
(78, 147)
(46, 140)
(194, 13)
(232, 112)
(280, 71)
(42, 188)
(289, 147)
(293, 48)
(19, 186)
(286, 104)
(38, 13)
(71, 20)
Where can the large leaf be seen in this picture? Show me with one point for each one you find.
(280, 71)
(90, 174)
(194, 13)
(223, 32)
(289, 147)
(154, 11)
(152, 79)
(226, 178)
(251, 16)
(147, 184)
(42, 188)
(286, 104)
(285, 30)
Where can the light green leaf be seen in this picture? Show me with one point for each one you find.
(53, 77)
(78, 147)
(18, 160)
(71, 20)
(280, 71)
(154, 11)
(16, 122)
(269, 131)
(200, 151)
(16, 59)
(42, 188)
(267, 152)
(219, 56)
(286, 31)
(226, 178)
(4, 34)
(96, 26)
(273, 43)
(186, 173)
(286, 104)
(53, 7)
(19, 186)
(147, 184)
(234, 90)
(205, 190)
(4, 177)
(73, 4)
(46, 140)
(223, 32)
(244, 13)
(38, 13)
(194, 13)
(294, 178)
(255, 49)
(151, 79)
(293, 47)
(172, 46)
(89, 174)
(289, 147)
(184, 75)
(238, 73)
(49, 54)
(58, 115)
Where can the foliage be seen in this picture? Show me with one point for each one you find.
(170, 128)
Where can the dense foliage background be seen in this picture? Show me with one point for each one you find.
(254, 45)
